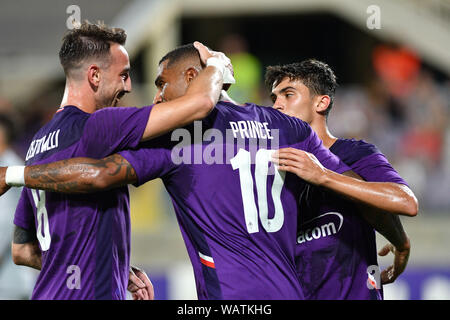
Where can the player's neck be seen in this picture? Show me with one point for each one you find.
(75, 96)
(321, 128)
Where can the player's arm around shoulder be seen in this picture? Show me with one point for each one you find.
(75, 175)
(392, 197)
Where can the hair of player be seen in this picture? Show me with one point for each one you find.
(181, 53)
(88, 41)
(316, 75)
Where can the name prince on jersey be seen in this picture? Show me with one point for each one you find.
(208, 147)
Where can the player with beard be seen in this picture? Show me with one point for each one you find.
(241, 247)
(81, 244)
(237, 215)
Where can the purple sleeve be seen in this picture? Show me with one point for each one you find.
(329, 160)
(149, 162)
(113, 129)
(24, 215)
(376, 168)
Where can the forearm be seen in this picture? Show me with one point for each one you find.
(391, 197)
(80, 175)
(387, 224)
(200, 98)
(31, 256)
(34, 261)
(25, 249)
(208, 84)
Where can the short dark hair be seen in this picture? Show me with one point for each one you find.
(179, 53)
(89, 40)
(316, 75)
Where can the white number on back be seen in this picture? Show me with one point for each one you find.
(242, 161)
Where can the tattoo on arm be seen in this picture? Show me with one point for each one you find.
(81, 175)
(121, 167)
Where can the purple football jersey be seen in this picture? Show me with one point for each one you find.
(85, 239)
(336, 248)
(237, 214)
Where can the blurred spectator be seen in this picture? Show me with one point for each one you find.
(397, 67)
(405, 112)
(35, 114)
(426, 118)
(5, 106)
(247, 69)
(15, 282)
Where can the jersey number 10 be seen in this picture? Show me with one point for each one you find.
(242, 161)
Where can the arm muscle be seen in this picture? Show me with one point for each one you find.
(81, 175)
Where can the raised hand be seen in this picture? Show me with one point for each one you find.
(206, 53)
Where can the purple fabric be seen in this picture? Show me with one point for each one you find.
(335, 246)
(90, 234)
(209, 202)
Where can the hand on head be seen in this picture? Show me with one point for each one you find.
(206, 53)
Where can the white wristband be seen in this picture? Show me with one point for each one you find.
(15, 176)
(220, 64)
(216, 62)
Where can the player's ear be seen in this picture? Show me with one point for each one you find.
(94, 75)
(190, 74)
(322, 103)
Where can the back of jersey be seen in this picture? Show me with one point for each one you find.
(237, 213)
(84, 239)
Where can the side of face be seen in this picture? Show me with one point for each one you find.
(293, 98)
(113, 79)
(173, 81)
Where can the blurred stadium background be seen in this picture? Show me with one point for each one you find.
(394, 92)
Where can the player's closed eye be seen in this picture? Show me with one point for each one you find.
(160, 85)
